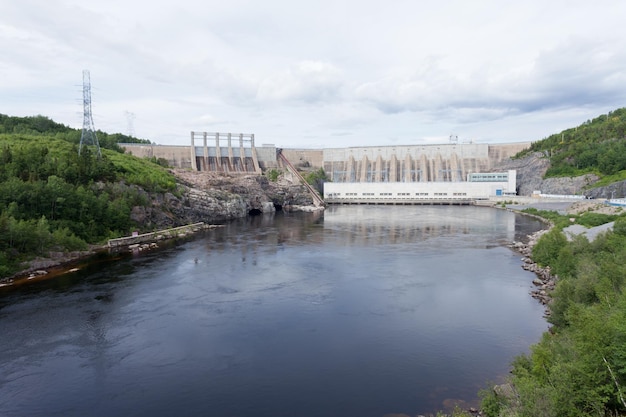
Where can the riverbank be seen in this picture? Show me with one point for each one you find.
(545, 281)
(583, 309)
(203, 199)
(61, 263)
(56, 264)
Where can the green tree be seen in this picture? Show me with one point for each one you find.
(547, 249)
(317, 179)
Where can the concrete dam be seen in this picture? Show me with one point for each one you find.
(415, 163)
(237, 153)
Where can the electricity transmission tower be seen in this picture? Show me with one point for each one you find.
(88, 135)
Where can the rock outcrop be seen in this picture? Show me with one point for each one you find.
(615, 190)
(210, 198)
(531, 169)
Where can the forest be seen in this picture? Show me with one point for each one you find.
(54, 199)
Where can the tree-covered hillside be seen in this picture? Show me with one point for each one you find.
(52, 198)
(41, 125)
(596, 146)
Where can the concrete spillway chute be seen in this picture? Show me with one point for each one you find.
(317, 200)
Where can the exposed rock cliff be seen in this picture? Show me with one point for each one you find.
(615, 190)
(210, 197)
(530, 171)
(532, 168)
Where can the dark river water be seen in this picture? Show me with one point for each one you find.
(359, 311)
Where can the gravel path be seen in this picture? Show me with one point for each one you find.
(575, 207)
(591, 233)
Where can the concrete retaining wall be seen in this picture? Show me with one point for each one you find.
(305, 158)
(176, 156)
(157, 236)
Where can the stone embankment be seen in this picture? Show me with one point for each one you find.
(149, 240)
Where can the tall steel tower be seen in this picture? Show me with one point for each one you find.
(88, 135)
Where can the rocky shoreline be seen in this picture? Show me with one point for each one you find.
(56, 264)
(544, 281)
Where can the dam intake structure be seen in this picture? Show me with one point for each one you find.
(220, 158)
(414, 163)
(408, 174)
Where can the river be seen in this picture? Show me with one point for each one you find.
(357, 311)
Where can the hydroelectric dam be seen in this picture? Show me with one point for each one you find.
(408, 174)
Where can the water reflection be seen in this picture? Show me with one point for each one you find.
(378, 225)
(360, 311)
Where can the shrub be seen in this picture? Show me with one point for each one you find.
(489, 402)
(546, 251)
(619, 228)
(591, 219)
(272, 174)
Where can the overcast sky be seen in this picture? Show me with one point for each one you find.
(323, 73)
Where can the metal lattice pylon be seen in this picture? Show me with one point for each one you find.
(88, 135)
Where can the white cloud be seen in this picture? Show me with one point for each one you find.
(324, 73)
(306, 81)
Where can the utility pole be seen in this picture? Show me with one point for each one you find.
(88, 135)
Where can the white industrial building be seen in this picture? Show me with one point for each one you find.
(477, 187)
